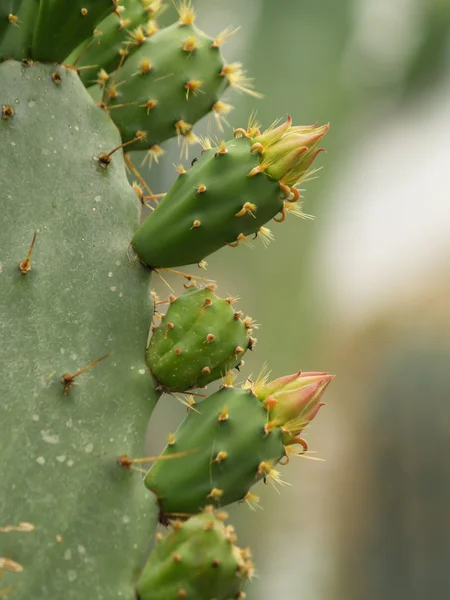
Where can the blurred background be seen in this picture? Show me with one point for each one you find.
(362, 291)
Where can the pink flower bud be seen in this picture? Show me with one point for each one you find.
(288, 151)
(294, 400)
(271, 136)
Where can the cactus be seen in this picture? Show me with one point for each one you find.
(80, 375)
(115, 37)
(198, 559)
(200, 338)
(234, 440)
(230, 193)
(169, 82)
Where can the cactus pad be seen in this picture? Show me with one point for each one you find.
(81, 300)
(228, 450)
(169, 82)
(205, 208)
(198, 560)
(200, 338)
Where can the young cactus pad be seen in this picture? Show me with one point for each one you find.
(226, 444)
(170, 81)
(199, 339)
(76, 299)
(233, 439)
(197, 559)
(229, 194)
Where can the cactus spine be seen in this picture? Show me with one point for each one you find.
(79, 378)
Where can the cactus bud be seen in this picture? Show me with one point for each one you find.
(289, 151)
(293, 400)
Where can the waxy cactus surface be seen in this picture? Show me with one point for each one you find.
(80, 300)
(170, 81)
(225, 443)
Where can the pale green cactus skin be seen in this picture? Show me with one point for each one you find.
(81, 299)
(170, 70)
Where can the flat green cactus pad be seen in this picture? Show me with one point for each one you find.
(208, 207)
(81, 299)
(227, 450)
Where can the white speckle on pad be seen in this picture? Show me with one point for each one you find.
(71, 575)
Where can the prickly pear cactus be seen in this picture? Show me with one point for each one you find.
(80, 375)
(80, 300)
(234, 439)
(171, 80)
(231, 192)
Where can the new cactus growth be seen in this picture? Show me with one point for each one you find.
(170, 80)
(71, 298)
(200, 338)
(234, 439)
(197, 559)
(78, 380)
(229, 194)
